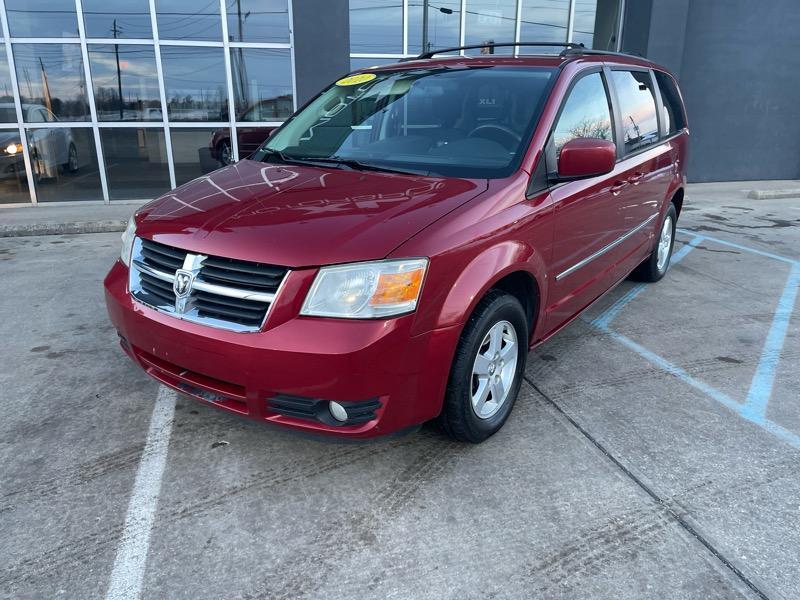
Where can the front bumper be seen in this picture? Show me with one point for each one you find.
(349, 361)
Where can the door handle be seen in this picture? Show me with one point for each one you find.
(635, 178)
(616, 188)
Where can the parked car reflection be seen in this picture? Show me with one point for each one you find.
(52, 150)
(249, 138)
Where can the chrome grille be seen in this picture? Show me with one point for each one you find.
(223, 292)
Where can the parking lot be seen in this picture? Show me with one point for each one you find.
(654, 451)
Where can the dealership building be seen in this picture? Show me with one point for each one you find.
(121, 100)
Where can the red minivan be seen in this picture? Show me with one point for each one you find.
(392, 252)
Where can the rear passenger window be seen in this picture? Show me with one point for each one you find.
(671, 107)
(637, 107)
(586, 113)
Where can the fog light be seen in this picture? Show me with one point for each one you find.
(337, 411)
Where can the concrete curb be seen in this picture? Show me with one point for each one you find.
(772, 194)
(74, 227)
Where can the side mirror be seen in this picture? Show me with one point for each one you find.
(586, 157)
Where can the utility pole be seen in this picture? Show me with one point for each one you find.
(47, 100)
(425, 43)
(116, 30)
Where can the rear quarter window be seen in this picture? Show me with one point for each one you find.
(637, 107)
(671, 106)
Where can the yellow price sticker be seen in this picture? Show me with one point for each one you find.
(356, 79)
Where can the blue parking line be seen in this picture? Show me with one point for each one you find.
(754, 408)
(728, 402)
(761, 386)
(785, 259)
(604, 318)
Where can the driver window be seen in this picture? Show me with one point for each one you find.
(586, 114)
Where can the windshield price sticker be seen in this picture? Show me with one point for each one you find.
(356, 79)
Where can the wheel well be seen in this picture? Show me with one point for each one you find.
(677, 200)
(523, 287)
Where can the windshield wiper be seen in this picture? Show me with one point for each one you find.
(363, 166)
(337, 161)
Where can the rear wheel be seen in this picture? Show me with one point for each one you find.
(656, 265)
(224, 154)
(487, 369)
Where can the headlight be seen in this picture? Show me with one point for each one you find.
(14, 148)
(127, 241)
(366, 290)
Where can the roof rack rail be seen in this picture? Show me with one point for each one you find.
(565, 45)
(578, 51)
(570, 49)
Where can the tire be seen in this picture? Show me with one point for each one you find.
(224, 154)
(463, 420)
(657, 264)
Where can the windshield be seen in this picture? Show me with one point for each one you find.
(454, 122)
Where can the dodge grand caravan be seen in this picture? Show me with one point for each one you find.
(389, 255)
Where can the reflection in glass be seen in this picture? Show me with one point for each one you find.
(258, 21)
(543, 21)
(194, 82)
(586, 113)
(64, 164)
(583, 29)
(127, 72)
(13, 178)
(117, 19)
(194, 151)
(42, 18)
(637, 107)
(366, 63)
(444, 24)
(250, 138)
(182, 20)
(136, 162)
(490, 21)
(51, 76)
(262, 84)
(376, 26)
(7, 112)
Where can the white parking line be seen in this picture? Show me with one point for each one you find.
(129, 565)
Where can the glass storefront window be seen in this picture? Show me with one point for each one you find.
(262, 84)
(13, 177)
(42, 18)
(182, 20)
(8, 113)
(64, 163)
(117, 19)
(127, 72)
(51, 80)
(250, 138)
(136, 162)
(258, 21)
(376, 26)
(490, 21)
(365, 63)
(444, 24)
(543, 21)
(194, 82)
(583, 28)
(197, 151)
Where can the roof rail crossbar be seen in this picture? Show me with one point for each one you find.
(565, 45)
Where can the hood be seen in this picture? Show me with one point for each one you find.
(299, 216)
(6, 137)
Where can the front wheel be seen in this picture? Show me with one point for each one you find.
(487, 369)
(656, 265)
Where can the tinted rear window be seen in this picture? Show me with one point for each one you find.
(671, 107)
(637, 107)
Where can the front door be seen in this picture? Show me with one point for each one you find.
(587, 215)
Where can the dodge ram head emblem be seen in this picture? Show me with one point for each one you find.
(182, 286)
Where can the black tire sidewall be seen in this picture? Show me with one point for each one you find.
(465, 424)
(673, 214)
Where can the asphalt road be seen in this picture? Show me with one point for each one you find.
(654, 452)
